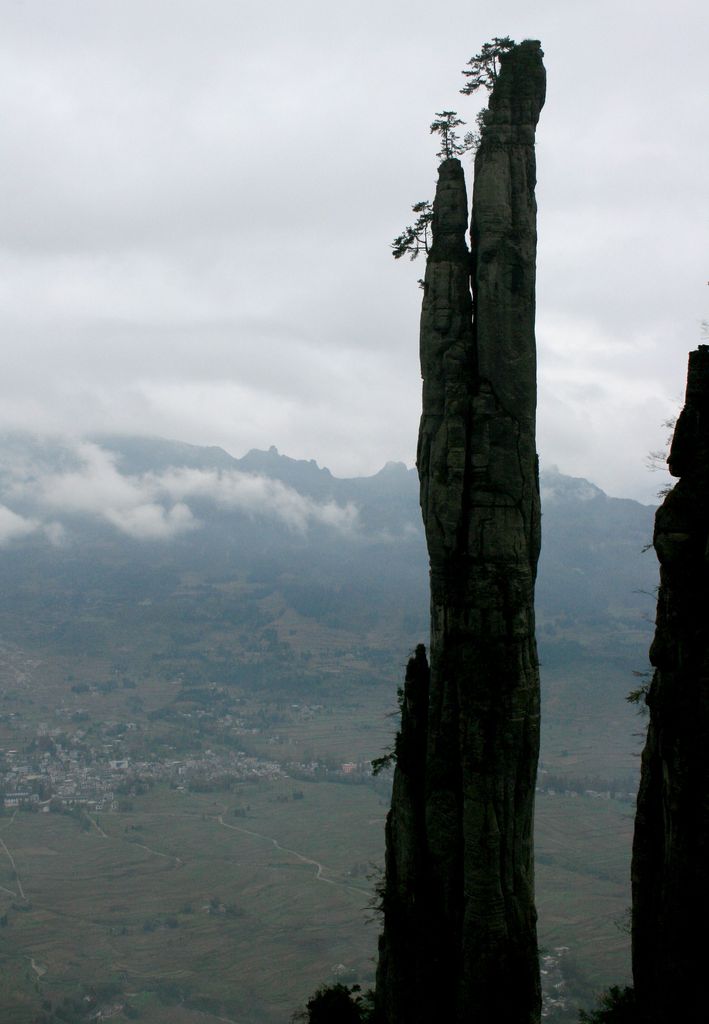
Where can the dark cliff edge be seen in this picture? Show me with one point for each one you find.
(670, 871)
(459, 938)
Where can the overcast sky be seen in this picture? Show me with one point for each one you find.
(199, 197)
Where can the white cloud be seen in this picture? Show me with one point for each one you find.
(55, 534)
(256, 495)
(13, 526)
(150, 521)
(97, 489)
(154, 506)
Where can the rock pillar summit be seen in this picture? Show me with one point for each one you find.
(670, 870)
(459, 939)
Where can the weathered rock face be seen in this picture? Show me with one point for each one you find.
(671, 846)
(470, 950)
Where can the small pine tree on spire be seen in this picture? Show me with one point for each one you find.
(416, 237)
(445, 126)
(485, 66)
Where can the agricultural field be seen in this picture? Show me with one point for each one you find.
(185, 902)
(236, 906)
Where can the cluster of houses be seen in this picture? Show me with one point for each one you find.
(593, 788)
(74, 764)
(53, 775)
(62, 777)
(554, 986)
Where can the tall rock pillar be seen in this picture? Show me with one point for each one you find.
(670, 870)
(474, 953)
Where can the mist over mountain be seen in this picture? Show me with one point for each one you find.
(143, 503)
(171, 551)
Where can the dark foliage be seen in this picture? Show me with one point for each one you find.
(485, 66)
(616, 1006)
(445, 125)
(416, 237)
(336, 1004)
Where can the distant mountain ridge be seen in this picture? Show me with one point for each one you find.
(555, 486)
(265, 571)
(592, 543)
(145, 502)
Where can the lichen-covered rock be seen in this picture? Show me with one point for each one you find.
(472, 908)
(670, 869)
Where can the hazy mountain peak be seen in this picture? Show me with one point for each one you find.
(399, 469)
(135, 455)
(303, 475)
(556, 487)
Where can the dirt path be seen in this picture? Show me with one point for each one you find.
(39, 970)
(158, 853)
(97, 826)
(119, 838)
(319, 874)
(14, 868)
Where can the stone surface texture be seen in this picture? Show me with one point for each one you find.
(459, 939)
(670, 872)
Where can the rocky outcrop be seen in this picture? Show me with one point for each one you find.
(670, 870)
(462, 832)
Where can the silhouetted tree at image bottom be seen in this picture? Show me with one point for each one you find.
(616, 1006)
(334, 1004)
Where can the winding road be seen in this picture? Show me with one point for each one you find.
(319, 874)
(14, 868)
(158, 853)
